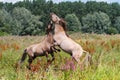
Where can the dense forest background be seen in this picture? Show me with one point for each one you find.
(31, 17)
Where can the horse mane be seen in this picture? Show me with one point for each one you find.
(48, 28)
(62, 22)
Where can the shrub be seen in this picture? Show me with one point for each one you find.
(3, 33)
(112, 30)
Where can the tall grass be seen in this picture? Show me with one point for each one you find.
(105, 51)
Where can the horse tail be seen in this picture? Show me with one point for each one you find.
(24, 55)
(18, 65)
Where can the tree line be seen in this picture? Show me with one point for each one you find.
(31, 17)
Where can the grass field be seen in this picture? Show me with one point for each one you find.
(105, 51)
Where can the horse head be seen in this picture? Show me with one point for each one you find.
(54, 18)
(59, 21)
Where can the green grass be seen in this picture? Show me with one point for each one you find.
(105, 51)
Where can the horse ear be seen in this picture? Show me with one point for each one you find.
(51, 22)
(62, 22)
(48, 26)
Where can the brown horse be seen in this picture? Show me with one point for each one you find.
(41, 49)
(65, 42)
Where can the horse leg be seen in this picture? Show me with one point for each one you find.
(87, 60)
(77, 59)
(55, 49)
(46, 54)
(48, 61)
(53, 58)
(30, 61)
(55, 44)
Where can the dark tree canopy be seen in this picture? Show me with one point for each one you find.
(27, 17)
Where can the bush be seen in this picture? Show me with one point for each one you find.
(3, 33)
(112, 30)
(73, 22)
(117, 23)
(98, 22)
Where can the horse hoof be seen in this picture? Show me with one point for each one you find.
(29, 67)
(47, 69)
(58, 50)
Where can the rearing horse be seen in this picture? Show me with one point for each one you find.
(64, 42)
(41, 49)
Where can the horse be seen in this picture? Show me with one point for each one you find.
(65, 42)
(41, 49)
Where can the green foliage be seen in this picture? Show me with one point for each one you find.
(73, 22)
(112, 30)
(117, 24)
(25, 22)
(114, 11)
(98, 22)
(43, 8)
(5, 21)
(20, 22)
(3, 33)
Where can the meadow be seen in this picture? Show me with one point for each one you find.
(105, 51)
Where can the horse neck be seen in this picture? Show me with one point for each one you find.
(49, 38)
(59, 29)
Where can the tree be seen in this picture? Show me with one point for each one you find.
(43, 8)
(72, 22)
(1, 5)
(114, 11)
(98, 22)
(25, 23)
(92, 6)
(117, 24)
(5, 21)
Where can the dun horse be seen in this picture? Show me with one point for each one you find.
(42, 49)
(64, 42)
